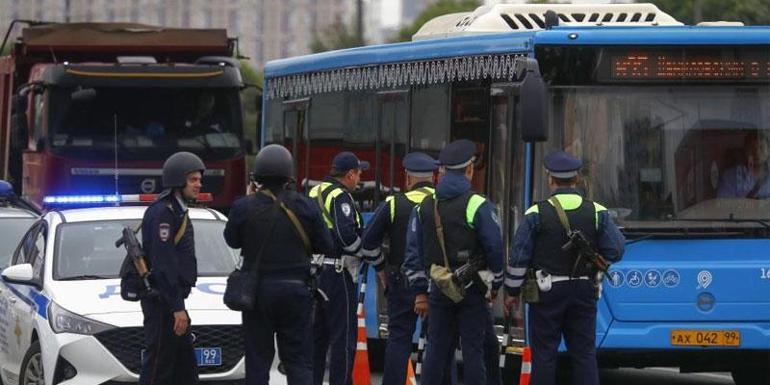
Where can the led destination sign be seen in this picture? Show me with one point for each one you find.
(679, 65)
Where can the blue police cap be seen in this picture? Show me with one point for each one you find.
(419, 164)
(347, 160)
(562, 165)
(457, 155)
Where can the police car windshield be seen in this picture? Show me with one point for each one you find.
(11, 232)
(669, 156)
(86, 250)
(149, 122)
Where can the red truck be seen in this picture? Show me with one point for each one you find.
(95, 109)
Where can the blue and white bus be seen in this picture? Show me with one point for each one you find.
(672, 122)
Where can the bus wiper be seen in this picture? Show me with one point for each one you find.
(83, 277)
(730, 219)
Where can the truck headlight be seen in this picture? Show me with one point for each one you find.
(65, 321)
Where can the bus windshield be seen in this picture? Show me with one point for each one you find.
(663, 155)
(149, 122)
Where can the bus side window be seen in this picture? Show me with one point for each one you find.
(470, 120)
(430, 118)
(274, 123)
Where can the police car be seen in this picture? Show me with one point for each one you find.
(62, 320)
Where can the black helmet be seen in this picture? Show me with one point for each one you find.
(177, 167)
(274, 161)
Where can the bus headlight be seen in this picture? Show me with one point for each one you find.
(65, 321)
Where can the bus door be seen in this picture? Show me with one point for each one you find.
(296, 137)
(470, 120)
(505, 183)
(392, 131)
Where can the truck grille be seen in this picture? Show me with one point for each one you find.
(126, 345)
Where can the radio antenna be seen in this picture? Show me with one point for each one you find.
(115, 144)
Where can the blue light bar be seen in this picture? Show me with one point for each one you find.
(80, 199)
(6, 190)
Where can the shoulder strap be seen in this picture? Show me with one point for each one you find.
(294, 220)
(440, 231)
(182, 229)
(561, 213)
(179, 233)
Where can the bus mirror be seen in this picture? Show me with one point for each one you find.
(533, 120)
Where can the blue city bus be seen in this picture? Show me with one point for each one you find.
(672, 123)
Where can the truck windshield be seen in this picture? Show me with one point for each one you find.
(669, 156)
(86, 250)
(145, 122)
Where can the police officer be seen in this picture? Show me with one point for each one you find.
(167, 235)
(261, 230)
(471, 232)
(391, 219)
(568, 307)
(335, 319)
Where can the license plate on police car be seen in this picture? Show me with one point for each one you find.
(208, 356)
(204, 356)
(705, 338)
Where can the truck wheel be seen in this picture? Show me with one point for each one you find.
(32, 366)
(751, 376)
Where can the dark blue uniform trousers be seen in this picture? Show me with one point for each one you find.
(282, 311)
(168, 359)
(469, 320)
(569, 308)
(335, 328)
(402, 321)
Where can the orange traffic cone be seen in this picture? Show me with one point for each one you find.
(526, 366)
(410, 379)
(361, 371)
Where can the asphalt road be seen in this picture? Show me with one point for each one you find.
(657, 376)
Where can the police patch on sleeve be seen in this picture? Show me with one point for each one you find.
(164, 229)
(346, 209)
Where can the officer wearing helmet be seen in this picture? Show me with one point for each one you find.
(278, 230)
(167, 235)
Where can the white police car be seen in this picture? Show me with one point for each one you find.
(62, 320)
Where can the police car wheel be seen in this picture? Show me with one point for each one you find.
(32, 366)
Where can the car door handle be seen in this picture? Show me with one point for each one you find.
(12, 299)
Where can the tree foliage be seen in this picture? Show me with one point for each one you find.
(750, 12)
(441, 7)
(338, 35)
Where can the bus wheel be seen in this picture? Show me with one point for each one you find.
(32, 366)
(751, 376)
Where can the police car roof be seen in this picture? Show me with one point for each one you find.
(128, 212)
(15, 212)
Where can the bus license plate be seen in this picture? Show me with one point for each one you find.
(209, 356)
(705, 338)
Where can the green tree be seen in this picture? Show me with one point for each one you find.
(441, 7)
(750, 12)
(251, 97)
(338, 35)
